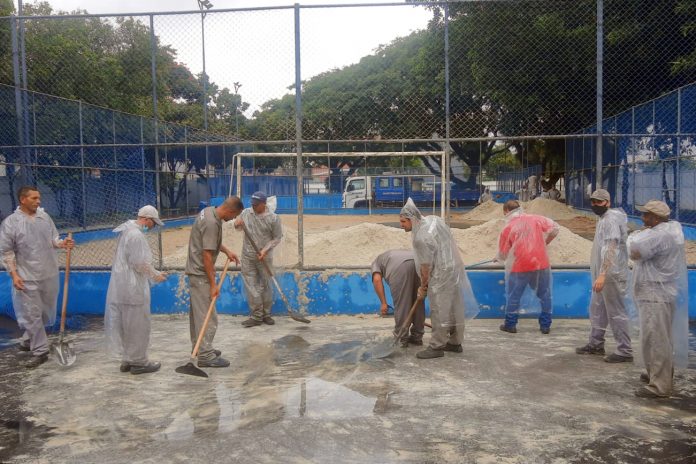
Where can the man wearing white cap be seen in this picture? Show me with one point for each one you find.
(609, 268)
(127, 314)
(265, 229)
(660, 292)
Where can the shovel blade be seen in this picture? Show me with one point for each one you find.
(64, 353)
(383, 348)
(190, 369)
(298, 317)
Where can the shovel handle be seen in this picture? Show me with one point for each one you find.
(407, 322)
(65, 288)
(201, 332)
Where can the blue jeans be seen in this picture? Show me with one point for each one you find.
(540, 282)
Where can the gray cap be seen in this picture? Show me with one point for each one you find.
(658, 208)
(150, 212)
(258, 197)
(601, 195)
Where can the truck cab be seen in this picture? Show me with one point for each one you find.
(357, 192)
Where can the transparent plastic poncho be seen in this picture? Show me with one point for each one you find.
(435, 247)
(660, 276)
(522, 247)
(132, 273)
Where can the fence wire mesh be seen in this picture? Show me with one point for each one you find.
(106, 113)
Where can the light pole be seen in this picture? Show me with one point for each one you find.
(237, 101)
(204, 6)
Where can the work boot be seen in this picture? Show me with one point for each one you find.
(589, 349)
(215, 362)
(22, 347)
(36, 361)
(617, 358)
(146, 369)
(453, 348)
(430, 353)
(643, 392)
(509, 329)
(545, 330)
(415, 340)
(124, 367)
(251, 322)
(268, 320)
(644, 377)
(404, 343)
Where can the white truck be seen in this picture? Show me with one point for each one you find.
(358, 192)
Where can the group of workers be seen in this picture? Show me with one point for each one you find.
(433, 268)
(656, 291)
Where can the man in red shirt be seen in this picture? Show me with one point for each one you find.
(522, 246)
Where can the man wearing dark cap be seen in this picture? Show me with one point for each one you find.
(264, 227)
(660, 292)
(609, 268)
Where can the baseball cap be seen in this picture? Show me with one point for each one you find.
(658, 208)
(258, 197)
(150, 212)
(601, 195)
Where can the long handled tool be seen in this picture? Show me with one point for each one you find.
(293, 314)
(190, 368)
(386, 348)
(63, 351)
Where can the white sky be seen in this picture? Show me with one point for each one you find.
(257, 48)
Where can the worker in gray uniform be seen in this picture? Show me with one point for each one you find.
(398, 269)
(609, 269)
(661, 294)
(265, 229)
(28, 242)
(205, 243)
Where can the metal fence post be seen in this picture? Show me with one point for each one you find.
(142, 155)
(186, 169)
(19, 98)
(677, 180)
(445, 177)
(600, 90)
(298, 139)
(82, 168)
(113, 138)
(153, 55)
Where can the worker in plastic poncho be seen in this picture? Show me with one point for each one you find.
(609, 268)
(486, 195)
(265, 228)
(660, 292)
(522, 247)
(443, 280)
(127, 314)
(28, 239)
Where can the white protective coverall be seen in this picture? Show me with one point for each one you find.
(267, 231)
(27, 244)
(127, 314)
(449, 291)
(610, 257)
(660, 292)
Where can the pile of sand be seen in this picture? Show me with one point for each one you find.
(359, 245)
(479, 243)
(549, 208)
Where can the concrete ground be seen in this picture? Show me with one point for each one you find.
(300, 393)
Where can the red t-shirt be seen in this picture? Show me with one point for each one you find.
(525, 237)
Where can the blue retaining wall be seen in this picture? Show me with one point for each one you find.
(322, 293)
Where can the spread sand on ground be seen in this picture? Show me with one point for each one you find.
(360, 244)
(549, 208)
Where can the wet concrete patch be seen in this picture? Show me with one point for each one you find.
(307, 394)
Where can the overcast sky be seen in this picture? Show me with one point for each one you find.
(257, 48)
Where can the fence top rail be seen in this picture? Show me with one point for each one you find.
(226, 10)
(363, 154)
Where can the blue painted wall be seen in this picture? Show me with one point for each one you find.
(321, 293)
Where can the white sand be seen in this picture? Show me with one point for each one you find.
(549, 208)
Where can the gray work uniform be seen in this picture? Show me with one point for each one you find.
(206, 234)
(27, 243)
(266, 230)
(398, 269)
(608, 307)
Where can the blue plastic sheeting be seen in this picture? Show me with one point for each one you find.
(325, 293)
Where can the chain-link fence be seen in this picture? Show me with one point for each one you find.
(106, 113)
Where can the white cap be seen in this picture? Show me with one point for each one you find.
(150, 212)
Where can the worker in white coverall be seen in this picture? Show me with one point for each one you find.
(127, 314)
(28, 239)
(609, 269)
(660, 292)
(443, 280)
(265, 228)
(485, 196)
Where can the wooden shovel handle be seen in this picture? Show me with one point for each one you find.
(194, 353)
(65, 287)
(407, 322)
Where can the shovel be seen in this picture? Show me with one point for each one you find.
(63, 351)
(293, 314)
(190, 368)
(386, 348)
